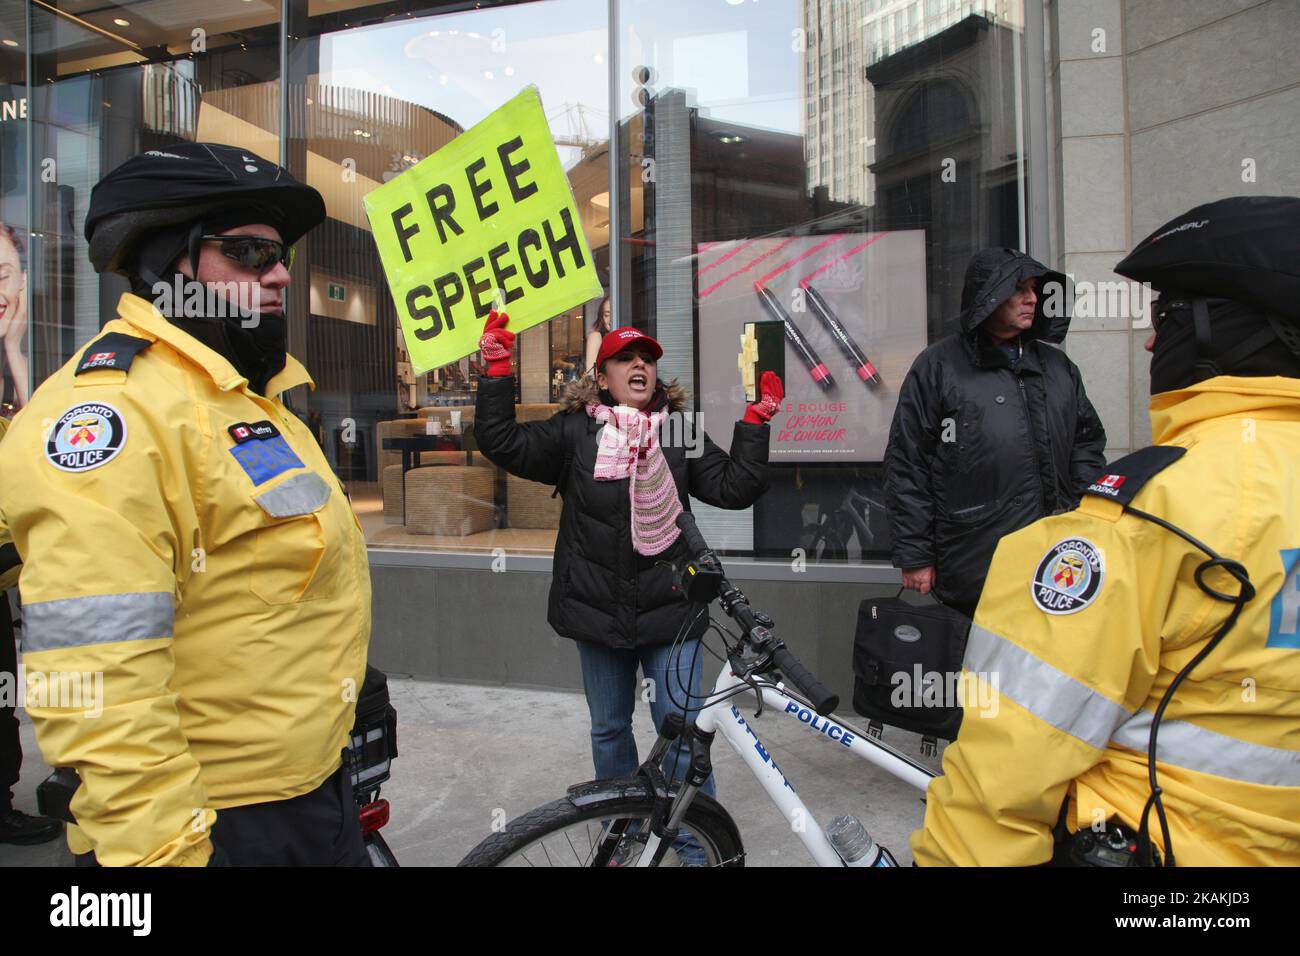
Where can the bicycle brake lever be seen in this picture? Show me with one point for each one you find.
(746, 675)
(758, 696)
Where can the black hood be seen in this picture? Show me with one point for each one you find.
(992, 278)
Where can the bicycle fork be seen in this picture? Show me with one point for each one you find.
(665, 819)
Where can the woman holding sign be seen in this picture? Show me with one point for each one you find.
(611, 589)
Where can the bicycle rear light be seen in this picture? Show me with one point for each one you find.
(374, 816)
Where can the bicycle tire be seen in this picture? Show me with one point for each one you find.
(596, 803)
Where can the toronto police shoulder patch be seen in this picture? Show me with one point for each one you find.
(86, 436)
(1069, 577)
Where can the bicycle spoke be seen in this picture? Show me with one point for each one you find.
(593, 847)
(572, 847)
(621, 840)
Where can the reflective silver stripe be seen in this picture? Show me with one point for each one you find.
(1044, 691)
(102, 619)
(1186, 745)
(300, 495)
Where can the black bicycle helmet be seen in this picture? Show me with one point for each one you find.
(1245, 248)
(185, 183)
(1228, 274)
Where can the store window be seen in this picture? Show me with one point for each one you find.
(15, 383)
(370, 94)
(885, 252)
(108, 81)
(724, 175)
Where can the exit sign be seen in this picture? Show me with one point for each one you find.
(336, 292)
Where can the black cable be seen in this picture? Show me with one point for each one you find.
(684, 707)
(723, 634)
(1239, 601)
(674, 653)
(688, 687)
(708, 698)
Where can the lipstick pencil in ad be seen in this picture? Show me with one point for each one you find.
(816, 368)
(861, 364)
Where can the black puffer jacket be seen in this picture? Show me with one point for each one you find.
(979, 448)
(601, 590)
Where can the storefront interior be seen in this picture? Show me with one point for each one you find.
(692, 133)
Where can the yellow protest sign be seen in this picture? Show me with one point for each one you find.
(491, 213)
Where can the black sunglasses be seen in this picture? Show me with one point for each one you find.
(1162, 310)
(254, 252)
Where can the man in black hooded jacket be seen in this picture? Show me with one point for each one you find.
(993, 430)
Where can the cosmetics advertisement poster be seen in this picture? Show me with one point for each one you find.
(856, 303)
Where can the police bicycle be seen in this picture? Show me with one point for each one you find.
(646, 821)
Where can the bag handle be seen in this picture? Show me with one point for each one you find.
(934, 597)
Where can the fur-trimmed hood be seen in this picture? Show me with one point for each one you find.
(579, 394)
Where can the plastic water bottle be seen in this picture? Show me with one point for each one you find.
(854, 844)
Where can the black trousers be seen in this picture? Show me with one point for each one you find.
(11, 748)
(320, 828)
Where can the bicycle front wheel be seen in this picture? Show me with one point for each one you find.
(605, 823)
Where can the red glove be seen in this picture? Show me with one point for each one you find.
(771, 391)
(497, 344)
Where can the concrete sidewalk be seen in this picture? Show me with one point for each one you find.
(470, 754)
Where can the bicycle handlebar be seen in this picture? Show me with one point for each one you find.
(691, 532)
(804, 680)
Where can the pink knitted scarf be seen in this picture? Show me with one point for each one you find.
(629, 448)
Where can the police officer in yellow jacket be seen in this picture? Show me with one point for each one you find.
(182, 534)
(1089, 618)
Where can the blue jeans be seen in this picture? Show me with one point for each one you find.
(609, 678)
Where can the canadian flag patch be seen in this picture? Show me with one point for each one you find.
(112, 350)
(1132, 472)
(1107, 486)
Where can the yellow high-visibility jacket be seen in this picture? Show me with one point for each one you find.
(184, 537)
(1088, 616)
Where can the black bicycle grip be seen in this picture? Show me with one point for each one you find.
(690, 531)
(806, 682)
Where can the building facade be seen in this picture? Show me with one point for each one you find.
(866, 147)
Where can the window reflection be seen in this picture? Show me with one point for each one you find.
(772, 142)
(367, 102)
(15, 383)
(110, 80)
(864, 149)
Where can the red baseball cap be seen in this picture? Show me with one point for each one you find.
(616, 341)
